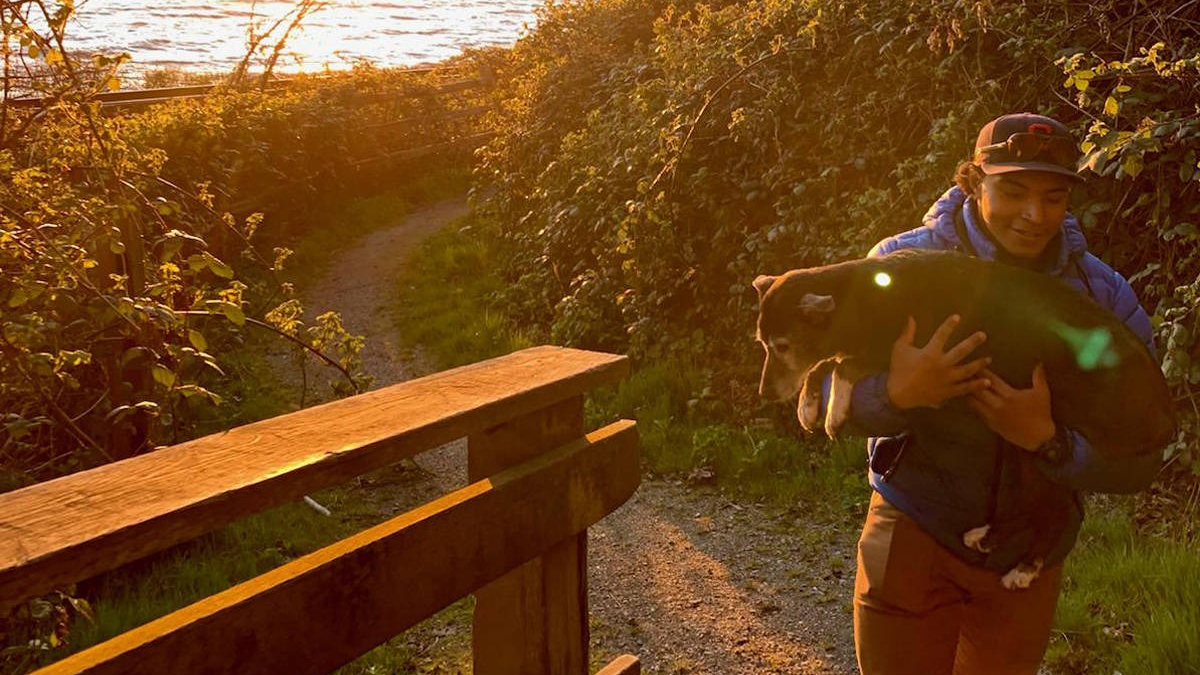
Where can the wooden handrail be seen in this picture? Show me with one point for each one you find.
(625, 664)
(74, 527)
(163, 94)
(322, 610)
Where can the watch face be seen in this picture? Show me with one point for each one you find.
(1055, 449)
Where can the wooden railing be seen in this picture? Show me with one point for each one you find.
(139, 98)
(447, 122)
(515, 536)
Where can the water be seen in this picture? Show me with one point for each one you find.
(212, 36)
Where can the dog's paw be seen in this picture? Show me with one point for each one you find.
(836, 416)
(1022, 575)
(839, 402)
(974, 539)
(809, 410)
(833, 424)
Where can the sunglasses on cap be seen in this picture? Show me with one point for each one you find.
(1027, 145)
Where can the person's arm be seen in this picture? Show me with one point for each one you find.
(871, 412)
(1081, 468)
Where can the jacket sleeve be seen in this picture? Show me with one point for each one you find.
(1083, 468)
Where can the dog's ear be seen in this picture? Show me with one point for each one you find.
(816, 309)
(762, 283)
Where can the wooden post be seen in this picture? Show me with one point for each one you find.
(532, 621)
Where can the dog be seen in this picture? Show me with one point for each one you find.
(841, 321)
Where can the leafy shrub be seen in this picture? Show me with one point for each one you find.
(648, 168)
(140, 246)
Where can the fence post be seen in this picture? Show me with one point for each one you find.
(534, 620)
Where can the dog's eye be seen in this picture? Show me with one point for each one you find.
(782, 347)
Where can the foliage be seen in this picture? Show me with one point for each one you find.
(140, 245)
(648, 167)
(39, 628)
(1145, 138)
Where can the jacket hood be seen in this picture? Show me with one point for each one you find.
(1071, 243)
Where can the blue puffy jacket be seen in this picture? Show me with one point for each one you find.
(955, 472)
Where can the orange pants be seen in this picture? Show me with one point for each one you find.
(920, 610)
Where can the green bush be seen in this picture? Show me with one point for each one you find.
(141, 247)
(647, 168)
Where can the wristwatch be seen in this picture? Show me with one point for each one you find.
(1057, 449)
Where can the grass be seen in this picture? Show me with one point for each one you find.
(1131, 603)
(446, 288)
(208, 565)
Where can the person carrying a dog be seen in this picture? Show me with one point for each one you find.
(924, 602)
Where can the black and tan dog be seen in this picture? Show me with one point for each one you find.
(844, 319)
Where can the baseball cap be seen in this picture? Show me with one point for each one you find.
(1026, 142)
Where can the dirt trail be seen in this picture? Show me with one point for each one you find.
(684, 578)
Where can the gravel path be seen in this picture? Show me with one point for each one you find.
(680, 576)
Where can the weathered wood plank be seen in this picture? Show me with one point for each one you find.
(320, 611)
(71, 528)
(625, 664)
(533, 620)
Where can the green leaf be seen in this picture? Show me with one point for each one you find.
(197, 339)
(198, 262)
(1132, 165)
(171, 247)
(18, 297)
(1188, 167)
(218, 267)
(233, 313)
(163, 376)
(133, 354)
(74, 357)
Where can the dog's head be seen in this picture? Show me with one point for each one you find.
(792, 320)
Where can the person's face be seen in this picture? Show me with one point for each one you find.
(1024, 210)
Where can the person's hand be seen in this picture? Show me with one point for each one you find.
(931, 375)
(1021, 416)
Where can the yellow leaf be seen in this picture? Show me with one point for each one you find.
(34, 51)
(1110, 106)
